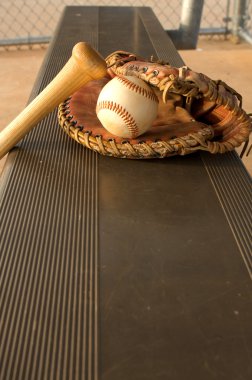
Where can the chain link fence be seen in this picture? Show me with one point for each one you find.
(215, 17)
(34, 21)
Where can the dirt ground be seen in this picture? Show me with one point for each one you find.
(219, 59)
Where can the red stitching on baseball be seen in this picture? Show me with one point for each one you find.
(122, 112)
(135, 87)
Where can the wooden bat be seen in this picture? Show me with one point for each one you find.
(84, 65)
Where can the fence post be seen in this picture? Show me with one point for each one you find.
(186, 36)
(239, 22)
(238, 17)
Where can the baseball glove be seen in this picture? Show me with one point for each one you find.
(195, 112)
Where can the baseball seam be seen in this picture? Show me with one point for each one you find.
(122, 112)
(138, 89)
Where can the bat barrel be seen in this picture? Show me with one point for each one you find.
(84, 65)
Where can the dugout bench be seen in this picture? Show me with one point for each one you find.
(119, 269)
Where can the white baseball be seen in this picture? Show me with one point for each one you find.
(127, 106)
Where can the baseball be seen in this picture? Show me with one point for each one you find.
(127, 106)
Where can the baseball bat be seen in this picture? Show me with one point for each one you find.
(84, 65)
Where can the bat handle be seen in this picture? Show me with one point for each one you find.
(84, 65)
